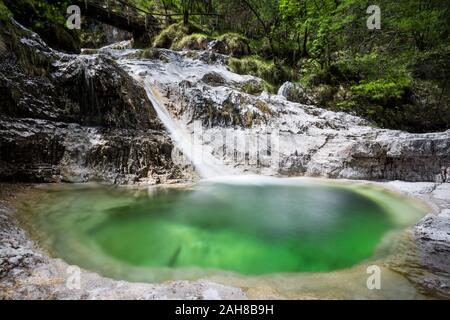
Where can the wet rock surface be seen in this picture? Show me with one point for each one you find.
(75, 118)
(267, 134)
(17, 258)
(295, 92)
(46, 151)
(423, 254)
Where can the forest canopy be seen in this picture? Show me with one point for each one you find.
(395, 76)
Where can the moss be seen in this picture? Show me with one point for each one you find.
(274, 75)
(196, 41)
(149, 53)
(248, 119)
(250, 65)
(174, 34)
(263, 107)
(5, 14)
(253, 88)
(152, 54)
(33, 62)
(237, 45)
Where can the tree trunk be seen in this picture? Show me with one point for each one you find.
(186, 17)
(305, 43)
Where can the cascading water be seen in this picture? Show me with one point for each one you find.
(228, 145)
(206, 165)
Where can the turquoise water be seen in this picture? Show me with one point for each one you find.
(250, 229)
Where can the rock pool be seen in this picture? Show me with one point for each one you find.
(245, 226)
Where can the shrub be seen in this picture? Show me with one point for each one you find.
(383, 90)
(4, 12)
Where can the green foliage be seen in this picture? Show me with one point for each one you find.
(383, 90)
(272, 73)
(48, 19)
(237, 44)
(4, 11)
(195, 41)
(149, 53)
(396, 77)
(42, 11)
(174, 34)
(253, 88)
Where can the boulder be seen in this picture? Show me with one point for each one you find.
(295, 92)
(424, 256)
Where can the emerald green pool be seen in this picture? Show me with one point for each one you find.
(251, 229)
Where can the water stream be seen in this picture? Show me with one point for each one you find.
(205, 164)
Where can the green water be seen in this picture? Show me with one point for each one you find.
(250, 229)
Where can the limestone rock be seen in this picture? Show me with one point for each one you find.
(424, 257)
(264, 133)
(76, 118)
(295, 92)
(218, 46)
(46, 151)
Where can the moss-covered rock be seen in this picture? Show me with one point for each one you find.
(274, 74)
(173, 34)
(194, 41)
(47, 19)
(236, 44)
(37, 82)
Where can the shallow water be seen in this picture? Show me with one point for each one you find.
(183, 233)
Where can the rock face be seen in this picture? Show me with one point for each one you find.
(429, 263)
(75, 118)
(267, 134)
(423, 254)
(35, 150)
(31, 15)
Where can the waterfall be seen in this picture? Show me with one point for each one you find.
(204, 162)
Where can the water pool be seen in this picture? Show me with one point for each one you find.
(275, 226)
